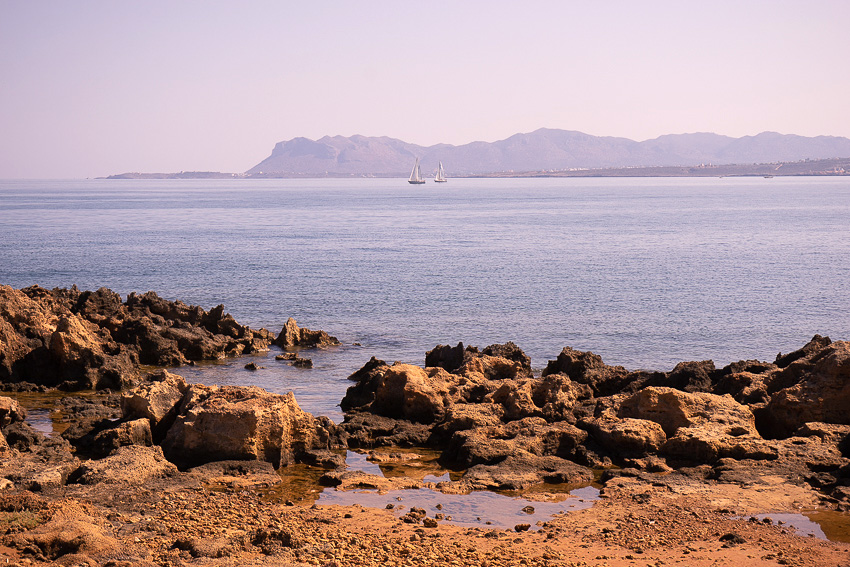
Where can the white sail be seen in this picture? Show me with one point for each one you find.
(416, 174)
(441, 175)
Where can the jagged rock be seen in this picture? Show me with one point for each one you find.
(367, 379)
(21, 436)
(134, 432)
(511, 352)
(588, 368)
(293, 336)
(494, 368)
(447, 357)
(628, 436)
(817, 343)
(821, 394)
(557, 396)
(243, 423)
(495, 362)
(699, 426)
(11, 411)
(131, 464)
(825, 431)
(82, 340)
(157, 401)
(692, 376)
(491, 445)
(402, 391)
(368, 430)
(463, 416)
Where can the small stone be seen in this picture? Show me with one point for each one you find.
(522, 527)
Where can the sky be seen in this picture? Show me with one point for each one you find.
(93, 88)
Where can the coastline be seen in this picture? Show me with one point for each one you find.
(692, 495)
(806, 168)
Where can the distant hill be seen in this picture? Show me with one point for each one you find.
(538, 151)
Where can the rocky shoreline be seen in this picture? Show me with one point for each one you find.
(153, 470)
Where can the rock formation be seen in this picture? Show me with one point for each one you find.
(489, 414)
(84, 340)
(293, 336)
(197, 424)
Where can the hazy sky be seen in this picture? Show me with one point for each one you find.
(91, 88)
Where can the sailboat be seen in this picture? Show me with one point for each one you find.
(441, 175)
(416, 174)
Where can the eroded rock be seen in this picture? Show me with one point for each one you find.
(293, 336)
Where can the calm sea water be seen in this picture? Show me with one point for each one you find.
(645, 272)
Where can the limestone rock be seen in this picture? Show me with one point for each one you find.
(491, 445)
(447, 357)
(242, 423)
(157, 401)
(293, 336)
(588, 368)
(402, 391)
(134, 432)
(10, 411)
(821, 394)
(699, 426)
(132, 464)
(628, 436)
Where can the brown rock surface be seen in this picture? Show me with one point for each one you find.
(130, 464)
(699, 426)
(69, 531)
(821, 394)
(242, 423)
(293, 336)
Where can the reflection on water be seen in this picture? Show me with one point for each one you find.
(822, 524)
(834, 525)
(417, 463)
(481, 508)
(39, 419)
(41, 408)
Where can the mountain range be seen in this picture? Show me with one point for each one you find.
(541, 150)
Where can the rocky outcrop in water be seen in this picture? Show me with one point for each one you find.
(294, 336)
(76, 340)
(489, 414)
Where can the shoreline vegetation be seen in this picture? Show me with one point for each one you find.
(696, 466)
(812, 168)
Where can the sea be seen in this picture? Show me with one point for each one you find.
(646, 272)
